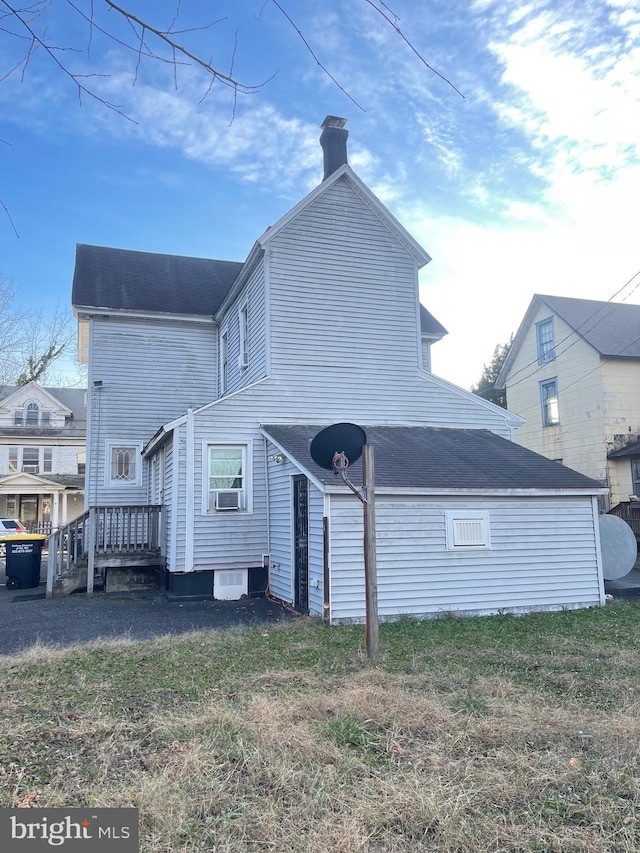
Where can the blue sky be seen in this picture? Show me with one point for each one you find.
(530, 183)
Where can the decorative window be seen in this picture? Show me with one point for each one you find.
(11, 506)
(468, 530)
(18, 417)
(224, 362)
(13, 459)
(243, 358)
(549, 402)
(545, 341)
(123, 464)
(46, 418)
(226, 481)
(33, 414)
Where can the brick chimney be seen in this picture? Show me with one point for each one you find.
(334, 144)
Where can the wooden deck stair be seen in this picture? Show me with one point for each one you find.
(81, 552)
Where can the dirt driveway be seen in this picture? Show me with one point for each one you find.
(27, 616)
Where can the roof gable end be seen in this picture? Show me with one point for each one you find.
(347, 174)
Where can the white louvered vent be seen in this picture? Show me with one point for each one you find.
(468, 529)
(468, 532)
(230, 585)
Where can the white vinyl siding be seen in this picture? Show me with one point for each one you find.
(335, 262)
(151, 372)
(281, 524)
(168, 509)
(244, 327)
(543, 555)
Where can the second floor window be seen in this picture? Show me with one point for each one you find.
(549, 402)
(31, 460)
(545, 341)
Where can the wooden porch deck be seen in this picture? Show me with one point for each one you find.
(102, 538)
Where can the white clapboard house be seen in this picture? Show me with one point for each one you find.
(208, 379)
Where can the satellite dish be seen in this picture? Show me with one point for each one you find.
(619, 547)
(338, 438)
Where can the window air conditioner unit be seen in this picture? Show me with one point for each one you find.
(243, 360)
(226, 501)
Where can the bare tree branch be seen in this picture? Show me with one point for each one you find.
(313, 54)
(38, 41)
(383, 10)
(165, 36)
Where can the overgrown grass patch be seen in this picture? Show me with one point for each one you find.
(482, 734)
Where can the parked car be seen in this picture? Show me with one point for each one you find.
(9, 527)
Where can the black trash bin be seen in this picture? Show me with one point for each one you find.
(24, 555)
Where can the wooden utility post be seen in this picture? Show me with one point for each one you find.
(370, 569)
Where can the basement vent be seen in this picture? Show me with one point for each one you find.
(230, 585)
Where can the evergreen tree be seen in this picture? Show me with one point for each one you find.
(486, 385)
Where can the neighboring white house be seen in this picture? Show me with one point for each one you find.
(42, 454)
(207, 379)
(573, 374)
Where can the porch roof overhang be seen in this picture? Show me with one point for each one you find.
(436, 460)
(34, 484)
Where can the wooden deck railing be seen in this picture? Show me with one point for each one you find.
(102, 532)
(630, 512)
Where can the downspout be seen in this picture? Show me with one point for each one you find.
(190, 498)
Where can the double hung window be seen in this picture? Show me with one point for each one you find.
(545, 341)
(549, 402)
(226, 477)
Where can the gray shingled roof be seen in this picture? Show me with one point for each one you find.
(612, 328)
(435, 458)
(430, 326)
(143, 281)
(629, 452)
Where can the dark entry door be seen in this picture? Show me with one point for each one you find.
(301, 542)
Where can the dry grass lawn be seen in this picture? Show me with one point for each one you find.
(492, 734)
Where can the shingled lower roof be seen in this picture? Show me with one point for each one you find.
(125, 280)
(433, 458)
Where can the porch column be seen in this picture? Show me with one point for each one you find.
(55, 508)
(64, 508)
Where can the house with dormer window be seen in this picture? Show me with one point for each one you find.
(208, 380)
(42, 454)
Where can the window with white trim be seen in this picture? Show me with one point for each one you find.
(468, 530)
(226, 478)
(33, 414)
(224, 362)
(123, 464)
(243, 358)
(31, 460)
